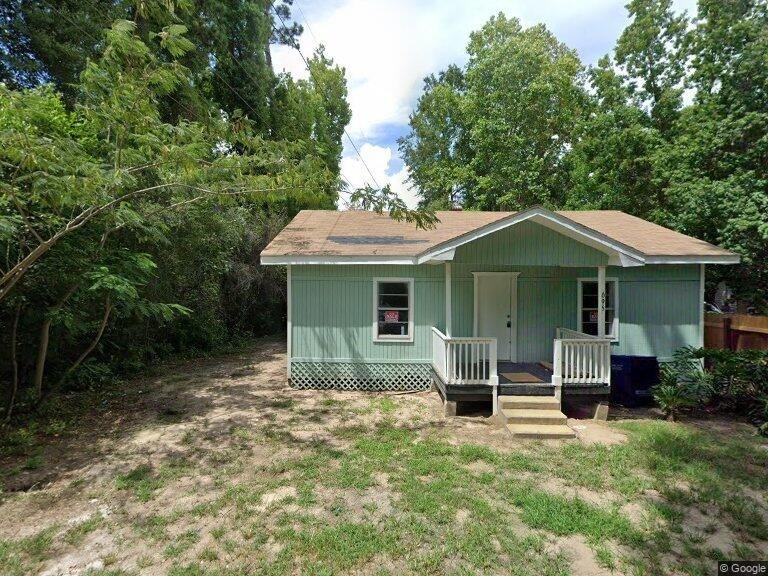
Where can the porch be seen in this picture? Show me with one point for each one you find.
(467, 369)
(488, 364)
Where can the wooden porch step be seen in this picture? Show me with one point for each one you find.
(529, 402)
(541, 431)
(534, 416)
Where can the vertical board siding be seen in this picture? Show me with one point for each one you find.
(658, 308)
(529, 244)
(656, 317)
(541, 308)
(333, 312)
(333, 305)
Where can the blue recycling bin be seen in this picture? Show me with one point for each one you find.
(632, 378)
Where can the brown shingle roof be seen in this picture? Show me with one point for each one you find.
(358, 233)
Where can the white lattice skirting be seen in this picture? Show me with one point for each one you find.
(377, 376)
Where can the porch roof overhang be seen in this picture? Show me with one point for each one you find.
(619, 253)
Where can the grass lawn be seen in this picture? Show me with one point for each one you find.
(214, 467)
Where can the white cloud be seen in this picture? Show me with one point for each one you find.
(388, 47)
(379, 159)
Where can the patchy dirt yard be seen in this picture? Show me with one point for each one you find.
(215, 466)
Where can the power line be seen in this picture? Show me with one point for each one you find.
(306, 21)
(97, 40)
(311, 33)
(185, 107)
(309, 69)
(243, 100)
(309, 29)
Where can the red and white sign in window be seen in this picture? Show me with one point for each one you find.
(391, 316)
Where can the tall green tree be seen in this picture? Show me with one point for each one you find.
(496, 133)
(95, 195)
(524, 99)
(613, 159)
(315, 109)
(653, 52)
(44, 41)
(228, 60)
(717, 167)
(436, 149)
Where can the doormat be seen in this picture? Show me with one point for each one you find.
(521, 378)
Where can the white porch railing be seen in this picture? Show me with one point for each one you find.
(581, 359)
(568, 334)
(464, 360)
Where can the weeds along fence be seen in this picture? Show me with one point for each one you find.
(735, 331)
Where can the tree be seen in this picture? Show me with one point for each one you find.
(43, 41)
(228, 59)
(315, 110)
(612, 163)
(524, 99)
(92, 197)
(653, 51)
(495, 134)
(717, 166)
(435, 150)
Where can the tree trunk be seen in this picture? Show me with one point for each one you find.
(42, 354)
(42, 348)
(14, 364)
(91, 346)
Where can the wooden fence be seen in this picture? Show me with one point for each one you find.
(735, 331)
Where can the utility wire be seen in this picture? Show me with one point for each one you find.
(309, 69)
(98, 40)
(185, 107)
(309, 29)
(311, 33)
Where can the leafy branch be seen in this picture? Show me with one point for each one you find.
(384, 200)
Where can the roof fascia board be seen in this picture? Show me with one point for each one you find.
(713, 259)
(620, 260)
(626, 261)
(540, 215)
(444, 256)
(337, 260)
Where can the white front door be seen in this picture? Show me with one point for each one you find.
(496, 311)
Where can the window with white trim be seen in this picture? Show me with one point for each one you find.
(393, 309)
(588, 307)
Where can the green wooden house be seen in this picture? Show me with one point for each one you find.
(488, 303)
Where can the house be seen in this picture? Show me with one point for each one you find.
(487, 305)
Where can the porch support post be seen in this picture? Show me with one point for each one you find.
(702, 277)
(493, 377)
(288, 318)
(557, 370)
(601, 301)
(448, 327)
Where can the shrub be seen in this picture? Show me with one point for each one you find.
(677, 388)
(732, 381)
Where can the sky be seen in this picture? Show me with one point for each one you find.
(387, 47)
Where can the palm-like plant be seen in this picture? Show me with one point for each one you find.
(672, 398)
(682, 384)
